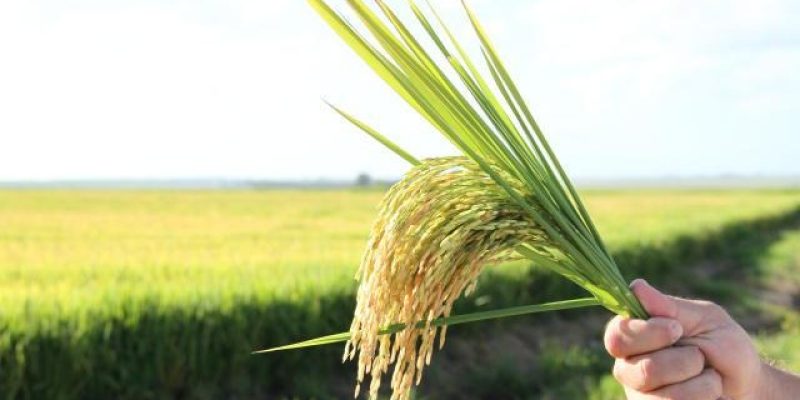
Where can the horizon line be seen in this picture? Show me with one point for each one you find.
(666, 181)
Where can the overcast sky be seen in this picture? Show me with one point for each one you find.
(232, 89)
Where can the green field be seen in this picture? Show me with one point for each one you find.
(161, 294)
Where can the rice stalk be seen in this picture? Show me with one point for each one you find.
(507, 195)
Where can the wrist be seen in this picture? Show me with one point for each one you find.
(764, 383)
(775, 384)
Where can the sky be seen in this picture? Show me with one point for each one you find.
(103, 89)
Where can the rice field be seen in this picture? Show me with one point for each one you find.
(216, 264)
(75, 248)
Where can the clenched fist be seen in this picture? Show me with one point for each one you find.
(690, 350)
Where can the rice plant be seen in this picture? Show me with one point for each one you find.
(507, 195)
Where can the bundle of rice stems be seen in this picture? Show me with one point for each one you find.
(505, 197)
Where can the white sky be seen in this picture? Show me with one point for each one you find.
(232, 89)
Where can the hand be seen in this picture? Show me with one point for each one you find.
(689, 349)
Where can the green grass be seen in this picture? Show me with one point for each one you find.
(779, 268)
(783, 349)
(149, 294)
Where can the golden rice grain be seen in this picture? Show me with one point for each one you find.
(436, 230)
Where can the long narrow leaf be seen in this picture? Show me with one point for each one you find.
(449, 321)
(476, 120)
(376, 135)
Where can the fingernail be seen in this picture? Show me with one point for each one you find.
(639, 281)
(675, 330)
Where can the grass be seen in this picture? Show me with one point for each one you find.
(779, 268)
(164, 293)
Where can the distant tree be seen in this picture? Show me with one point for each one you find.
(363, 180)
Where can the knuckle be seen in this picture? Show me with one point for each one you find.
(712, 307)
(618, 371)
(627, 374)
(704, 303)
(713, 384)
(698, 356)
(614, 342)
(631, 394)
(694, 360)
(664, 334)
(648, 373)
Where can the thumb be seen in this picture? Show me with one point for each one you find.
(691, 314)
(656, 304)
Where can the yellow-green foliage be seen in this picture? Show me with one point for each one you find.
(138, 294)
(74, 247)
(79, 246)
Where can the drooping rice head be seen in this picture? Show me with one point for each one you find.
(436, 230)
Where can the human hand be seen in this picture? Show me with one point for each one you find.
(688, 349)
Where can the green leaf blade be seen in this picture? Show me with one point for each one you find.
(449, 321)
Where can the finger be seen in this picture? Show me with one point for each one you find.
(706, 386)
(631, 394)
(695, 316)
(662, 368)
(629, 337)
(654, 302)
